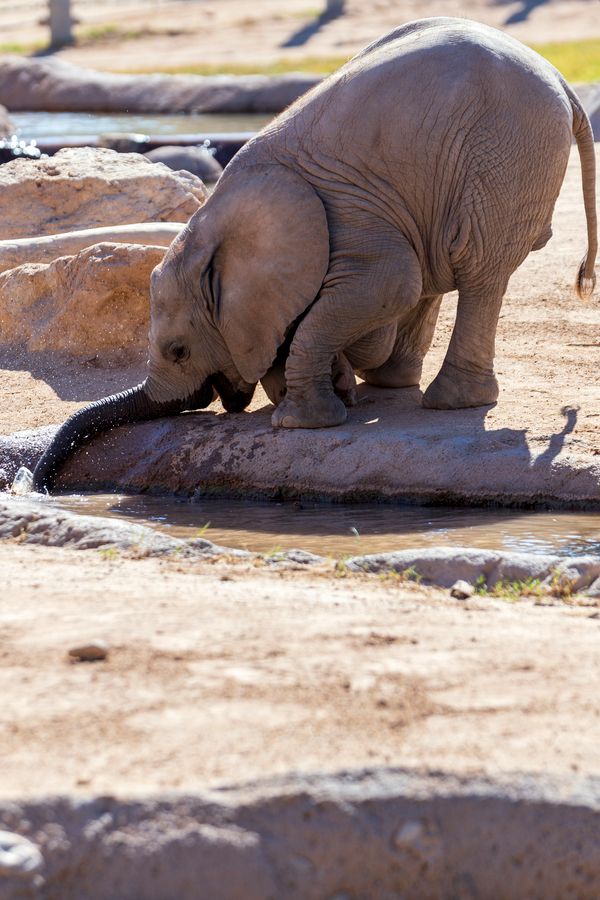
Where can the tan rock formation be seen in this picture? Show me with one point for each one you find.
(87, 188)
(50, 84)
(93, 303)
(17, 251)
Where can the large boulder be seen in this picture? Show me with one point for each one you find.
(87, 188)
(6, 126)
(92, 304)
(50, 84)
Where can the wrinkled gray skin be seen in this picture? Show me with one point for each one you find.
(431, 161)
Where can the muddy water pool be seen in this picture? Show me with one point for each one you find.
(339, 530)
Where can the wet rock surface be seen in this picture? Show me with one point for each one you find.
(47, 84)
(87, 188)
(197, 160)
(37, 522)
(361, 833)
(87, 304)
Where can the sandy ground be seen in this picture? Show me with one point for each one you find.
(220, 673)
(125, 37)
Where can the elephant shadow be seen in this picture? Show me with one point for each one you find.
(76, 379)
(503, 455)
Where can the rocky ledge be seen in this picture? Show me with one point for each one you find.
(385, 832)
(54, 85)
(391, 448)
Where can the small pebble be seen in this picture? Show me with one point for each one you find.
(19, 858)
(462, 590)
(90, 652)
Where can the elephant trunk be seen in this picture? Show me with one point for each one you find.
(133, 405)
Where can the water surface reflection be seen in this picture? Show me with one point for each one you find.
(338, 530)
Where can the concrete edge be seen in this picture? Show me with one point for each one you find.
(344, 835)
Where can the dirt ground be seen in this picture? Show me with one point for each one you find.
(218, 674)
(221, 673)
(115, 36)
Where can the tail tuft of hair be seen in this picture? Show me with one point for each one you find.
(585, 284)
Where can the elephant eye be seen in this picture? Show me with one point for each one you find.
(177, 352)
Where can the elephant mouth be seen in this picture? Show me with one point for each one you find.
(233, 399)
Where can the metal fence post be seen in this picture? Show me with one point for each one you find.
(61, 23)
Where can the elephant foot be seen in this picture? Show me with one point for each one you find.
(455, 389)
(406, 373)
(322, 411)
(342, 378)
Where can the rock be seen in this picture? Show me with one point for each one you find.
(16, 251)
(52, 84)
(197, 160)
(6, 126)
(462, 590)
(94, 651)
(444, 566)
(124, 142)
(87, 188)
(95, 302)
(19, 857)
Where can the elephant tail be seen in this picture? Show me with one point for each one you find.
(582, 130)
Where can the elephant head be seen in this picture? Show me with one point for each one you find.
(232, 283)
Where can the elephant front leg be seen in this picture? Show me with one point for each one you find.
(467, 375)
(342, 379)
(404, 365)
(365, 296)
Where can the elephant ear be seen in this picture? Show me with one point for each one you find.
(272, 256)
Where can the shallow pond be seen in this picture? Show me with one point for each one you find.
(339, 530)
(38, 125)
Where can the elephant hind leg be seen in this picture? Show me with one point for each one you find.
(466, 377)
(414, 334)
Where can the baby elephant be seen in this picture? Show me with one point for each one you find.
(431, 161)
